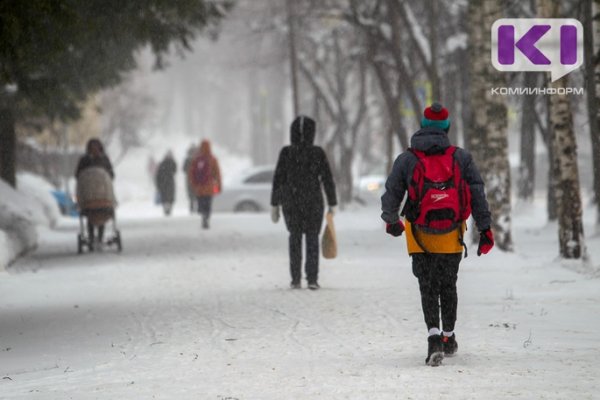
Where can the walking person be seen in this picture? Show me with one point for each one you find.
(94, 157)
(205, 177)
(302, 171)
(188, 185)
(443, 187)
(165, 182)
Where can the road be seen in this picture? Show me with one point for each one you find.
(185, 313)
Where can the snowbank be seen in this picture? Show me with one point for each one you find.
(20, 212)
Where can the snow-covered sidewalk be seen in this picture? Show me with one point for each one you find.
(184, 313)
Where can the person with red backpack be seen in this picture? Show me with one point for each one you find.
(443, 188)
(204, 176)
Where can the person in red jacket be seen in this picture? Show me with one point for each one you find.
(204, 176)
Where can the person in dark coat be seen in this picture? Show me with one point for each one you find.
(165, 182)
(436, 257)
(94, 157)
(188, 185)
(301, 172)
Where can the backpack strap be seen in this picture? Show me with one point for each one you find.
(418, 153)
(450, 150)
(461, 239)
(415, 233)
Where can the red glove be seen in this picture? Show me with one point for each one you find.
(395, 229)
(486, 242)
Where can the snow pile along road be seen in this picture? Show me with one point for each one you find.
(20, 212)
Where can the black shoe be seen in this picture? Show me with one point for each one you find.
(435, 350)
(205, 224)
(450, 344)
(313, 286)
(295, 285)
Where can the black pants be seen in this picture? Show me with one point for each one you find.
(312, 256)
(205, 207)
(167, 207)
(193, 202)
(91, 235)
(437, 274)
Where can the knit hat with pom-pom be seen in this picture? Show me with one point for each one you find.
(436, 116)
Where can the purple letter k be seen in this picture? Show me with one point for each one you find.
(527, 44)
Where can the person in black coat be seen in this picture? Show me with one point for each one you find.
(94, 157)
(188, 185)
(165, 182)
(301, 172)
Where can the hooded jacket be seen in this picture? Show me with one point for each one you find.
(214, 185)
(89, 160)
(433, 140)
(301, 173)
(165, 179)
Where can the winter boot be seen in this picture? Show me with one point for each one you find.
(435, 350)
(450, 344)
(313, 286)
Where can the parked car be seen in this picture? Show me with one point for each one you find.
(247, 192)
(369, 189)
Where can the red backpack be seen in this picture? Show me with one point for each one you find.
(439, 199)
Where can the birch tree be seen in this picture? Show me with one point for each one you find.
(334, 66)
(526, 180)
(592, 46)
(564, 146)
(487, 139)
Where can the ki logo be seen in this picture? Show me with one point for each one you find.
(537, 44)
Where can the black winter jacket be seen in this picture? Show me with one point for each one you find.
(88, 161)
(432, 140)
(165, 179)
(301, 170)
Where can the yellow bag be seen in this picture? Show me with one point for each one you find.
(329, 241)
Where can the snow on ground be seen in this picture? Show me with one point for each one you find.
(20, 212)
(184, 313)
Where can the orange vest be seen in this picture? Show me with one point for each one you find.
(445, 243)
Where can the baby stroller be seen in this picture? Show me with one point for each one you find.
(96, 201)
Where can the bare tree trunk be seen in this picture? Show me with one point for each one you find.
(466, 113)
(591, 37)
(8, 146)
(393, 106)
(564, 147)
(390, 150)
(293, 55)
(526, 182)
(552, 165)
(570, 231)
(488, 139)
(434, 76)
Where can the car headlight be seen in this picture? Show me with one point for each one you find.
(373, 186)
